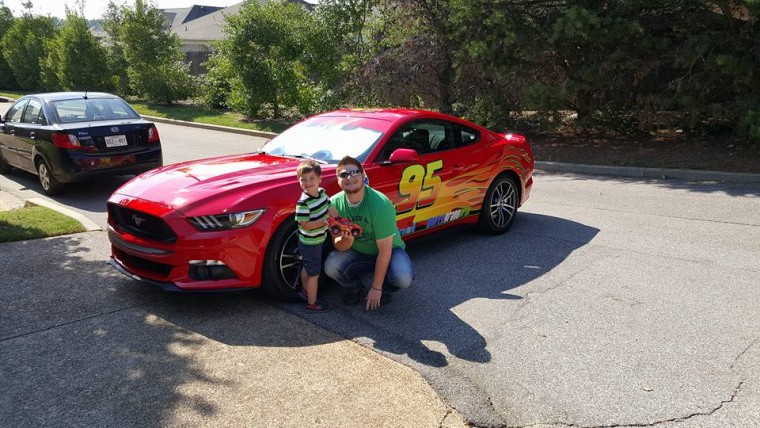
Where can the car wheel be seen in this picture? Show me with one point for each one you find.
(282, 263)
(49, 184)
(5, 167)
(499, 206)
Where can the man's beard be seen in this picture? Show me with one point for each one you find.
(354, 191)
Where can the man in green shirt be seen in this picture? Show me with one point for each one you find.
(378, 249)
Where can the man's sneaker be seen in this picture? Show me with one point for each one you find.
(352, 296)
(318, 307)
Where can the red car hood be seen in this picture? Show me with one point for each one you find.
(213, 185)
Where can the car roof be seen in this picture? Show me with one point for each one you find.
(386, 114)
(58, 96)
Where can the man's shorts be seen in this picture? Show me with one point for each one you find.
(311, 257)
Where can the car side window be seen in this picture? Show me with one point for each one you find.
(33, 112)
(15, 113)
(424, 137)
(464, 135)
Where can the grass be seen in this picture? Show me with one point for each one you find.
(12, 94)
(201, 114)
(35, 222)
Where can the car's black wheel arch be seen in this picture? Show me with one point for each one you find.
(485, 221)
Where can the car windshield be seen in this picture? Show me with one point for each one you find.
(328, 139)
(93, 109)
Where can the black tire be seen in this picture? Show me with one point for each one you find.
(499, 206)
(282, 264)
(49, 184)
(5, 167)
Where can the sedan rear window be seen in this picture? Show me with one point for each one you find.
(93, 109)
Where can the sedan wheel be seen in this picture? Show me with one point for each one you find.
(49, 184)
(499, 206)
(282, 267)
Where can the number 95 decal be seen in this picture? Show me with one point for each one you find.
(419, 186)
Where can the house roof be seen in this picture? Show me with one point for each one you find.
(179, 16)
(199, 23)
(207, 27)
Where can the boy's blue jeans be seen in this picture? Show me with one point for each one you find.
(348, 267)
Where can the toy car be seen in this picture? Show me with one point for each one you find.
(339, 225)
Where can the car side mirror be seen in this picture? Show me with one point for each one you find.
(403, 156)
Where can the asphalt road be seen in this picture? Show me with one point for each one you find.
(610, 302)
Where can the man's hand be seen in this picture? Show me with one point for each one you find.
(373, 298)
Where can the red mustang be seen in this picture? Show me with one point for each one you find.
(228, 222)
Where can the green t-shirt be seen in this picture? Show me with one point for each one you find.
(375, 214)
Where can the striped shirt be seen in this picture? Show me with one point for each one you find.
(311, 208)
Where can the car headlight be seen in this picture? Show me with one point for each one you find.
(210, 223)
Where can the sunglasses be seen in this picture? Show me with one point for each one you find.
(351, 173)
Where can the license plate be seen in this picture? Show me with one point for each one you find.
(116, 140)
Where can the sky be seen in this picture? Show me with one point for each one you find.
(94, 9)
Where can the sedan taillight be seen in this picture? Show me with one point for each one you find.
(152, 134)
(65, 141)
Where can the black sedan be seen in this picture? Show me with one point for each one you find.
(66, 137)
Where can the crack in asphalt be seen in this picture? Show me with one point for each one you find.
(720, 405)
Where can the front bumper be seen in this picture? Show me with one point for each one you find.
(237, 254)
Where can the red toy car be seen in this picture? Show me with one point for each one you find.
(339, 225)
(227, 222)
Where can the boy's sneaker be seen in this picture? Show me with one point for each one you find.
(318, 307)
(352, 296)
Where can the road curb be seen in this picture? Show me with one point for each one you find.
(87, 223)
(231, 129)
(649, 173)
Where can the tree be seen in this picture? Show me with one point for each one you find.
(412, 62)
(7, 80)
(68, 51)
(154, 60)
(24, 44)
(278, 58)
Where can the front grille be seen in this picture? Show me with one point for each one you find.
(140, 224)
(142, 264)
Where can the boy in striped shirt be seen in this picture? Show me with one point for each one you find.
(312, 210)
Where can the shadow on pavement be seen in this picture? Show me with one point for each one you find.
(461, 276)
(84, 345)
